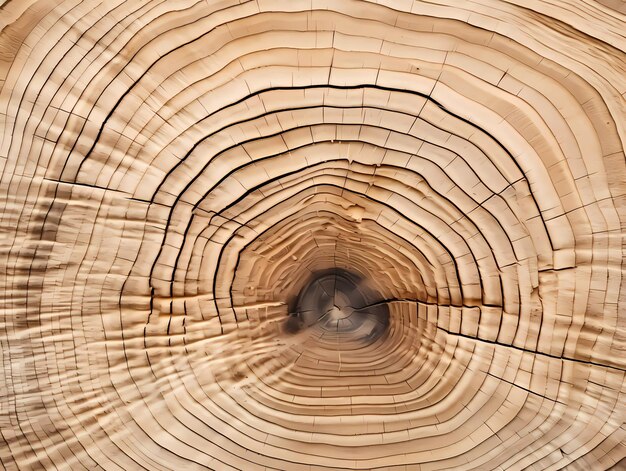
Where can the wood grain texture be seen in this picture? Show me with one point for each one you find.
(312, 234)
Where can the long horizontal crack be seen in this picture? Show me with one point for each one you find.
(493, 342)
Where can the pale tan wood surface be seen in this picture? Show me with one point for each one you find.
(194, 194)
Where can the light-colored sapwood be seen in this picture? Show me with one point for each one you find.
(173, 174)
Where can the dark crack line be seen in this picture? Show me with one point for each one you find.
(492, 342)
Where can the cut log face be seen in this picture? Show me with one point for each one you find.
(306, 235)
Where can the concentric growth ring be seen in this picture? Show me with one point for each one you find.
(306, 235)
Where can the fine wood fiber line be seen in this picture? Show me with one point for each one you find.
(313, 235)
